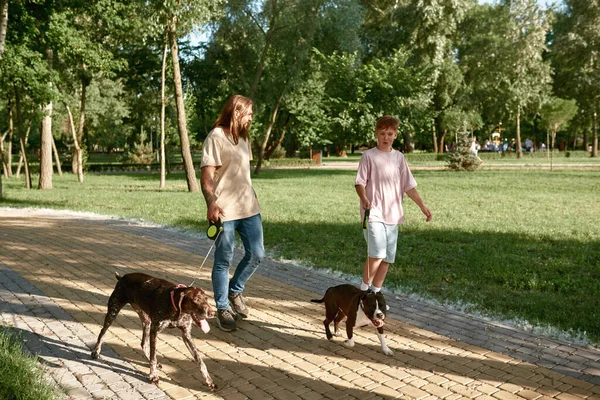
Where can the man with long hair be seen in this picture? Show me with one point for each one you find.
(227, 189)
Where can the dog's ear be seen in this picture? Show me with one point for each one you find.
(182, 295)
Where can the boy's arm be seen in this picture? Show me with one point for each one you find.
(362, 194)
(213, 211)
(414, 196)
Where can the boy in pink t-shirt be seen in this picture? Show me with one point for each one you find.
(382, 179)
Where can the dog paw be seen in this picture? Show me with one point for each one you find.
(95, 355)
(211, 385)
(349, 343)
(387, 351)
(153, 378)
(337, 334)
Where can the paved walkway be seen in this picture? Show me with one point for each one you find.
(57, 271)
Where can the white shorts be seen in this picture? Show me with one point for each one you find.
(382, 241)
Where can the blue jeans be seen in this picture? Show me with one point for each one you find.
(251, 233)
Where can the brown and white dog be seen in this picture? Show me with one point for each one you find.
(160, 304)
(359, 307)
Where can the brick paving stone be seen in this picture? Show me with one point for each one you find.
(412, 392)
(58, 296)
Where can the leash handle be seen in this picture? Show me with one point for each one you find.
(366, 218)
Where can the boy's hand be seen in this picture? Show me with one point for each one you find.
(427, 213)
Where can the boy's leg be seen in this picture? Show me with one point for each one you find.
(380, 274)
(376, 242)
(391, 236)
(371, 271)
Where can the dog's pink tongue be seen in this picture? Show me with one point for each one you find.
(204, 326)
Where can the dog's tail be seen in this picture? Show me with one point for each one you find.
(318, 301)
(117, 276)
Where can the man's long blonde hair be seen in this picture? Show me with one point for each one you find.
(227, 117)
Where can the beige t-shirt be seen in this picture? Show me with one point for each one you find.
(233, 187)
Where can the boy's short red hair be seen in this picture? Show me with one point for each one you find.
(387, 121)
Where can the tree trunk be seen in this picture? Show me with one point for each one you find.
(2, 158)
(46, 140)
(442, 146)
(3, 24)
(77, 154)
(434, 137)
(9, 149)
(265, 51)
(519, 151)
(554, 128)
(409, 146)
(21, 157)
(271, 149)
(22, 140)
(595, 136)
(163, 172)
(77, 159)
(186, 154)
(261, 154)
(7, 161)
(56, 158)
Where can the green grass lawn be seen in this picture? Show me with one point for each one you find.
(20, 374)
(520, 244)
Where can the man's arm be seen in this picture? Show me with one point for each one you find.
(207, 183)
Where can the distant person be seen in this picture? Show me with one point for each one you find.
(475, 149)
(382, 179)
(227, 189)
(528, 145)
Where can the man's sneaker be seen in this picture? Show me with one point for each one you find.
(226, 320)
(238, 304)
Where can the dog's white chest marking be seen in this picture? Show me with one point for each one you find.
(361, 318)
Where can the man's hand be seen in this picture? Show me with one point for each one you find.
(214, 212)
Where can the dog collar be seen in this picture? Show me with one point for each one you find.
(173, 294)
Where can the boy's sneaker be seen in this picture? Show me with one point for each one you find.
(238, 304)
(226, 320)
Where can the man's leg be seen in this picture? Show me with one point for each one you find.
(251, 233)
(220, 275)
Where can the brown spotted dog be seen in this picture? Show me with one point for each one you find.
(160, 304)
(359, 307)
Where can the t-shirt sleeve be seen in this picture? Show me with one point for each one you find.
(407, 180)
(211, 153)
(363, 171)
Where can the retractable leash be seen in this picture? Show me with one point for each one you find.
(213, 232)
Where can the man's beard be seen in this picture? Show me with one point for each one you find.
(244, 130)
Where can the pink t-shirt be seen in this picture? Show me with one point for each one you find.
(386, 177)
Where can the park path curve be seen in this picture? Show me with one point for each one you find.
(57, 271)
